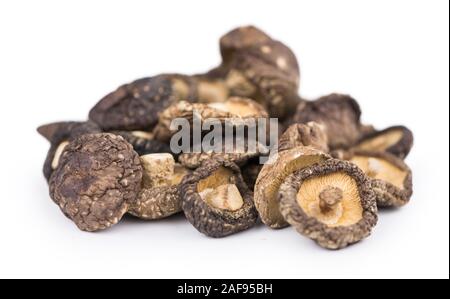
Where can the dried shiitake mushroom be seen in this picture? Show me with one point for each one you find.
(144, 142)
(311, 134)
(97, 178)
(397, 140)
(340, 115)
(332, 203)
(59, 135)
(251, 171)
(391, 177)
(275, 171)
(258, 67)
(240, 109)
(135, 106)
(159, 196)
(216, 200)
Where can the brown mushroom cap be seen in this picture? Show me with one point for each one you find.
(239, 109)
(135, 106)
(310, 134)
(274, 173)
(216, 201)
(340, 115)
(391, 177)
(59, 135)
(332, 203)
(97, 178)
(397, 140)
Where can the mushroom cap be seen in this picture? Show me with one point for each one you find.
(135, 106)
(340, 115)
(59, 134)
(97, 178)
(397, 140)
(391, 178)
(274, 173)
(306, 223)
(207, 219)
(311, 134)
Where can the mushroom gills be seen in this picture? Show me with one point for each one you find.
(381, 169)
(332, 199)
(381, 142)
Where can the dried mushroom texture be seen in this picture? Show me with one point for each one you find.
(236, 108)
(391, 177)
(143, 142)
(98, 176)
(311, 134)
(216, 200)
(340, 115)
(274, 173)
(397, 140)
(332, 203)
(59, 135)
(159, 197)
(135, 106)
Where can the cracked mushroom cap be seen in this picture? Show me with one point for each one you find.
(331, 203)
(159, 197)
(311, 134)
(340, 115)
(135, 106)
(216, 201)
(239, 109)
(391, 177)
(97, 178)
(397, 140)
(59, 135)
(143, 142)
(274, 173)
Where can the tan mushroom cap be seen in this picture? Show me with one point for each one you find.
(273, 175)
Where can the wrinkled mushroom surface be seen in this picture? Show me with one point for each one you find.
(332, 203)
(143, 142)
(59, 135)
(135, 106)
(216, 200)
(98, 176)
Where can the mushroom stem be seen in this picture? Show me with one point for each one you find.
(329, 198)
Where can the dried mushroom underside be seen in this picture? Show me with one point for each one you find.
(143, 142)
(238, 109)
(59, 135)
(216, 200)
(302, 138)
(159, 197)
(397, 140)
(391, 177)
(98, 176)
(332, 203)
(339, 114)
(135, 106)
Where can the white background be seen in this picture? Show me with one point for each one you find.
(57, 58)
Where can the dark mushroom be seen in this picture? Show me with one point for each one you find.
(397, 140)
(59, 135)
(332, 203)
(216, 200)
(143, 142)
(98, 177)
(135, 106)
